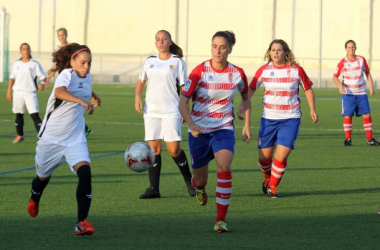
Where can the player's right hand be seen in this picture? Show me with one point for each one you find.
(195, 130)
(9, 96)
(241, 112)
(138, 106)
(342, 91)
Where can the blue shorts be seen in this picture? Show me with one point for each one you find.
(357, 104)
(278, 132)
(203, 147)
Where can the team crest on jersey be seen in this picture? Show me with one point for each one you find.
(30, 69)
(348, 65)
(210, 78)
(172, 67)
(272, 73)
(187, 84)
(80, 85)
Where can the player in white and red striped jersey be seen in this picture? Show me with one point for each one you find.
(281, 78)
(212, 86)
(354, 92)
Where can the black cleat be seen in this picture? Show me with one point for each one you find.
(265, 185)
(373, 142)
(348, 142)
(190, 188)
(150, 193)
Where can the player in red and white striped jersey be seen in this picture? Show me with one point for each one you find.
(354, 92)
(281, 78)
(212, 86)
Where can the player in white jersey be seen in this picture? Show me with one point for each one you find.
(353, 91)
(62, 38)
(62, 131)
(281, 78)
(26, 72)
(165, 75)
(212, 86)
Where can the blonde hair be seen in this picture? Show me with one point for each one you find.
(289, 56)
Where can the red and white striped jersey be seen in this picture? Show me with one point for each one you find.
(212, 92)
(352, 72)
(281, 86)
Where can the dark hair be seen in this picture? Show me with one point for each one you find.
(289, 56)
(174, 48)
(349, 41)
(29, 48)
(228, 35)
(62, 29)
(63, 56)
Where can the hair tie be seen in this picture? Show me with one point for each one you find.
(76, 52)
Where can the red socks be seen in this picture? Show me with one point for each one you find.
(367, 124)
(265, 167)
(347, 126)
(278, 170)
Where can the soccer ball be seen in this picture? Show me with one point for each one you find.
(139, 156)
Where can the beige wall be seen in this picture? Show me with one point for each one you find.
(128, 27)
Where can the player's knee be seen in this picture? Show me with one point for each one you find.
(84, 174)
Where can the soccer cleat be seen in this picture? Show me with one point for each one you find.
(84, 228)
(265, 184)
(272, 192)
(150, 193)
(220, 227)
(190, 188)
(33, 208)
(373, 142)
(88, 132)
(18, 138)
(201, 196)
(348, 142)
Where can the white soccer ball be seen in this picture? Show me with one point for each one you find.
(139, 156)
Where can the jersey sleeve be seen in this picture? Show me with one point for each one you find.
(305, 81)
(40, 72)
(365, 65)
(257, 79)
(12, 75)
(339, 68)
(243, 85)
(143, 76)
(63, 79)
(182, 74)
(193, 81)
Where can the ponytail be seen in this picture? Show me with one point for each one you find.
(176, 50)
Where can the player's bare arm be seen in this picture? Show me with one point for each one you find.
(96, 101)
(340, 85)
(370, 81)
(183, 108)
(241, 112)
(139, 89)
(246, 103)
(41, 86)
(9, 92)
(309, 93)
(62, 94)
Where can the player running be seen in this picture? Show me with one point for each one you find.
(212, 86)
(165, 75)
(24, 82)
(62, 130)
(353, 91)
(281, 77)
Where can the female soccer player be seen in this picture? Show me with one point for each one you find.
(62, 130)
(281, 77)
(165, 74)
(23, 81)
(212, 86)
(354, 92)
(62, 38)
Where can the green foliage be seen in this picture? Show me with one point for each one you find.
(329, 194)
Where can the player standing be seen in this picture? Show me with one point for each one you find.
(165, 74)
(353, 91)
(23, 81)
(212, 86)
(62, 38)
(62, 131)
(281, 77)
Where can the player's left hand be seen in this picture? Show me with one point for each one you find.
(246, 134)
(240, 112)
(96, 101)
(314, 116)
(371, 91)
(41, 87)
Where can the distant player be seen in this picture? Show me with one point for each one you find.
(62, 130)
(62, 38)
(281, 77)
(165, 75)
(24, 78)
(212, 86)
(353, 91)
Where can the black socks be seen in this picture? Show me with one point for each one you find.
(37, 121)
(154, 173)
(38, 187)
(19, 123)
(183, 165)
(84, 195)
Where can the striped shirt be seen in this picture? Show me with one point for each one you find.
(281, 84)
(212, 93)
(352, 72)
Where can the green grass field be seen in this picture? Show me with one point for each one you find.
(330, 193)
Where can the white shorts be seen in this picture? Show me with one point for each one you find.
(167, 129)
(49, 156)
(22, 99)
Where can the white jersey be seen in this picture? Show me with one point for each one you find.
(64, 122)
(26, 75)
(213, 92)
(164, 79)
(281, 99)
